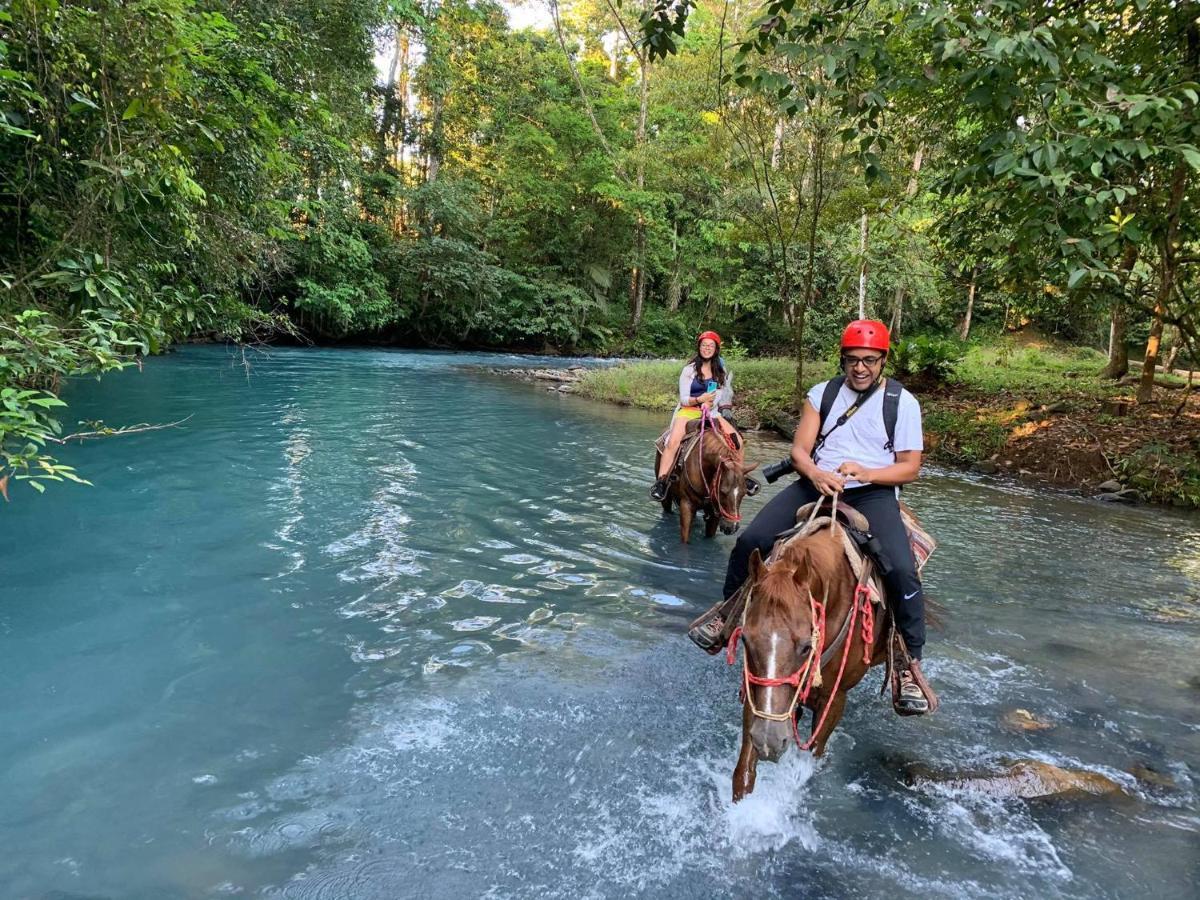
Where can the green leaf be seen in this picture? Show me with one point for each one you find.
(86, 101)
(1076, 276)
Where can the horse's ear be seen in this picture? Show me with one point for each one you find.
(756, 565)
(746, 470)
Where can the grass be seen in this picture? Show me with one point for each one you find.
(760, 385)
(1036, 373)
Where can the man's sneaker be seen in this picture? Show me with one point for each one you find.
(659, 491)
(708, 635)
(911, 701)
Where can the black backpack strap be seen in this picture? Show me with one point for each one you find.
(891, 411)
(832, 386)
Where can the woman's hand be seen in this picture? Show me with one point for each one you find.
(828, 483)
(855, 471)
(706, 400)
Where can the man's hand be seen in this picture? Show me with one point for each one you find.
(854, 471)
(828, 483)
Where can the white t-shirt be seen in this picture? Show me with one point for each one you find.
(863, 438)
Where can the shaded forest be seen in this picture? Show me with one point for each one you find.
(422, 174)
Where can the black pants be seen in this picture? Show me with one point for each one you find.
(879, 504)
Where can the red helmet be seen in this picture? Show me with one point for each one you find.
(866, 334)
(709, 336)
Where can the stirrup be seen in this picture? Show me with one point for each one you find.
(659, 491)
(707, 635)
(752, 486)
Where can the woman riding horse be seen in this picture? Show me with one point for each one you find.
(703, 383)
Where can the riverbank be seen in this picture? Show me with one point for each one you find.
(1022, 408)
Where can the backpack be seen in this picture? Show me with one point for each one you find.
(891, 408)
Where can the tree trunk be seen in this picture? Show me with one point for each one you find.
(1172, 354)
(777, 146)
(1146, 386)
(637, 281)
(918, 158)
(862, 268)
(1166, 283)
(675, 286)
(817, 169)
(387, 122)
(402, 98)
(897, 311)
(901, 290)
(1118, 350)
(965, 330)
(637, 278)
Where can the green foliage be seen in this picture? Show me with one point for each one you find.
(36, 352)
(156, 159)
(1030, 371)
(965, 435)
(926, 358)
(1164, 473)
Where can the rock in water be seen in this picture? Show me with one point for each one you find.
(1152, 777)
(1109, 487)
(1028, 779)
(1128, 495)
(1019, 720)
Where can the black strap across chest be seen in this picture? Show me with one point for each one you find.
(891, 409)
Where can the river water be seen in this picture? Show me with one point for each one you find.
(380, 624)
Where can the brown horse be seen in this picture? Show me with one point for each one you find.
(710, 480)
(810, 633)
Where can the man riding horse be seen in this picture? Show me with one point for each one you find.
(857, 442)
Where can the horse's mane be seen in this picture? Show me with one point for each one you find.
(714, 443)
(804, 567)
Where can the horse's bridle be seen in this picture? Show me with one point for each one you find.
(808, 676)
(804, 679)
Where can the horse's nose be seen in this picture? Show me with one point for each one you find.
(770, 738)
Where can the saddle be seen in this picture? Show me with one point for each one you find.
(921, 542)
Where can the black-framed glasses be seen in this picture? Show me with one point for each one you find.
(849, 362)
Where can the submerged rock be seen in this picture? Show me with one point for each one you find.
(1128, 495)
(1019, 720)
(1109, 487)
(1151, 777)
(1027, 779)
